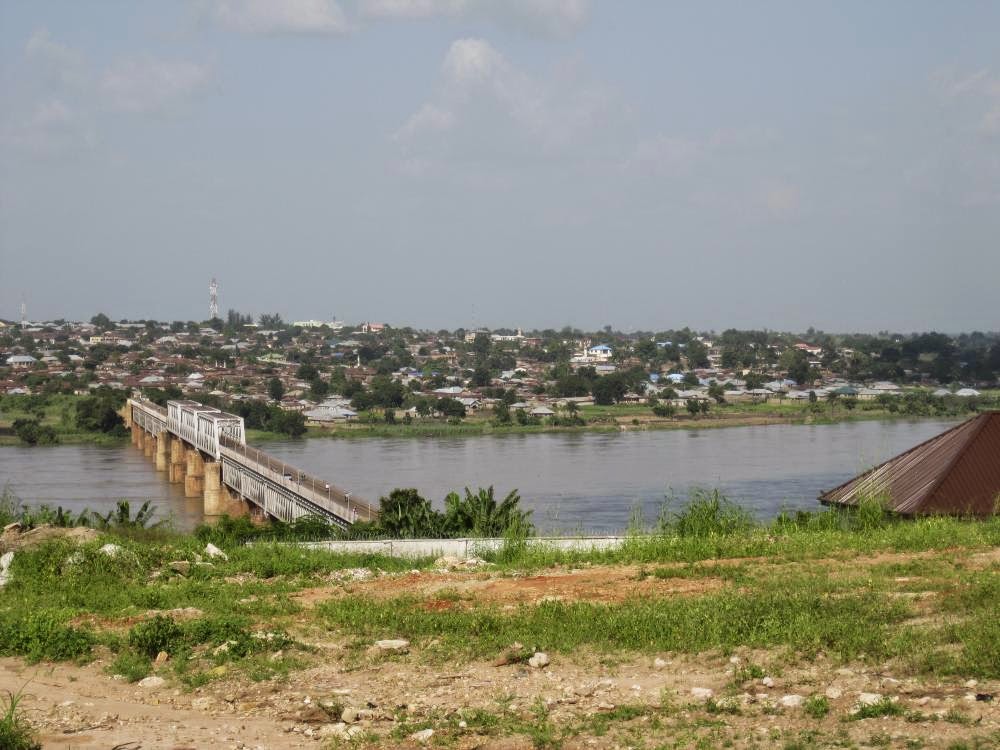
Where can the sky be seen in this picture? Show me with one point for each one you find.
(537, 163)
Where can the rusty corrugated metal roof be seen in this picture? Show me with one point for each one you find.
(956, 472)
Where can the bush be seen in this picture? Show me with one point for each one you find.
(14, 732)
(155, 635)
(33, 432)
(710, 513)
(40, 635)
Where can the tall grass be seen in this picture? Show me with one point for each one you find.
(15, 734)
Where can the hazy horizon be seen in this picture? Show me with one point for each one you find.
(542, 163)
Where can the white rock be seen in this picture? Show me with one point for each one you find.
(539, 660)
(212, 551)
(734, 660)
(833, 693)
(5, 560)
(152, 682)
(332, 730)
(869, 699)
(792, 701)
(767, 682)
(659, 663)
(203, 703)
(971, 683)
(701, 693)
(393, 645)
(424, 735)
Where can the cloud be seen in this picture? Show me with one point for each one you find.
(52, 128)
(546, 17)
(428, 119)
(62, 65)
(980, 88)
(143, 86)
(488, 111)
(281, 16)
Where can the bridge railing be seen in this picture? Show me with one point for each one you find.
(322, 493)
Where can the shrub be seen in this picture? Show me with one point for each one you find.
(40, 635)
(153, 636)
(816, 706)
(14, 732)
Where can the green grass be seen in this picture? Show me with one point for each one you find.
(15, 734)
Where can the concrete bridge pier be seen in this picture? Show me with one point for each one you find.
(194, 475)
(163, 442)
(214, 498)
(148, 444)
(137, 435)
(177, 461)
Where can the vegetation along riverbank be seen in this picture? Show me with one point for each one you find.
(827, 629)
(64, 418)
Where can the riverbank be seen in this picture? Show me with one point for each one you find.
(790, 635)
(599, 419)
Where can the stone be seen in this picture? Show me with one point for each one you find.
(152, 683)
(14, 528)
(539, 660)
(833, 693)
(212, 551)
(702, 693)
(424, 735)
(584, 691)
(332, 730)
(161, 658)
(659, 663)
(792, 701)
(204, 703)
(869, 699)
(180, 566)
(767, 682)
(349, 715)
(5, 561)
(393, 645)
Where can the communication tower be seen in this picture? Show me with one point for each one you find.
(213, 299)
(24, 313)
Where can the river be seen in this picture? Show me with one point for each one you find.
(572, 481)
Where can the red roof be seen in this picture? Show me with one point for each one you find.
(956, 472)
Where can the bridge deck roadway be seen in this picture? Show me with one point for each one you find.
(313, 495)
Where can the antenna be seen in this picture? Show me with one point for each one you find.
(24, 313)
(213, 299)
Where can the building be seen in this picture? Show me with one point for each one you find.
(954, 473)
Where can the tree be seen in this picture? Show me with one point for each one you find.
(271, 321)
(609, 390)
(102, 322)
(480, 515)
(99, 413)
(33, 432)
(407, 515)
(665, 410)
(276, 389)
(796, 363)
(501, 413)
(693, 407)
(450, 407)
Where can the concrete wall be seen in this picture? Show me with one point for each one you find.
(461, 548)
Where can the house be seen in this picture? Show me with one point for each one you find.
(21, 361)
(542, 411)
(954, 473)
(601, 352)
(370, 327)
(325, 415)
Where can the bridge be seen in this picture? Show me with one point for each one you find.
(205, 449)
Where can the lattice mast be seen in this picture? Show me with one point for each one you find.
(213, 299)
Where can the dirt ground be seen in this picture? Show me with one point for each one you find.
(385, 700)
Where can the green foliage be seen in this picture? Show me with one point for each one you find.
(816, 706)
(276, 389)
(153, 636)
(130, 665)
(884, 706)
(41, 635)
(99, 413)
(15, 734)
(711, 512)
(478, 514)
(33, 432)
